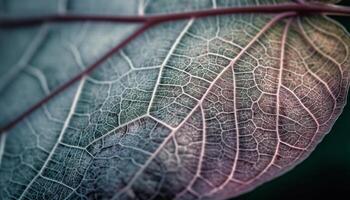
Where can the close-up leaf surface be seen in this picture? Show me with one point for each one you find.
(198, 108)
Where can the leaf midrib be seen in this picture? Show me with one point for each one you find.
(300, 6)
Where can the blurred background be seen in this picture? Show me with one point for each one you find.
(325, 173)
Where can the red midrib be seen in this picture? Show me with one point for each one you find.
(148, 21)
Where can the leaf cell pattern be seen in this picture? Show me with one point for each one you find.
(203, 108)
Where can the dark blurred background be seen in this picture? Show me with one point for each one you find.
(325, 173)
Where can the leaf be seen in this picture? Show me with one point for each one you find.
(201, 108)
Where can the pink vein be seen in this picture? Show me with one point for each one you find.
(262, 31)
(267, 26)
(201, 156)
(308, 40)
(282, 56)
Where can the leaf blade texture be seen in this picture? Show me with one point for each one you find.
(201, 108)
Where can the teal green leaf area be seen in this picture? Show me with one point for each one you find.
(206, 108)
